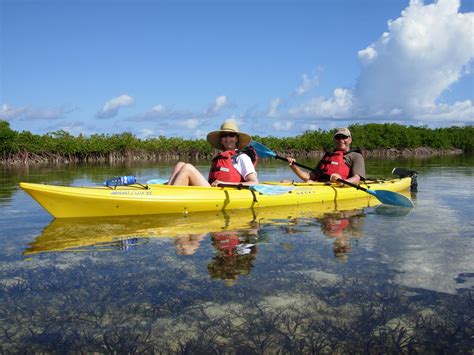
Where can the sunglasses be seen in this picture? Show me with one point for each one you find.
(223, 135)
(340, 136)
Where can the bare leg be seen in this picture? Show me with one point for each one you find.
(176, 170)
(188, 175)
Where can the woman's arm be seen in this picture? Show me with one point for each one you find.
(251, 179)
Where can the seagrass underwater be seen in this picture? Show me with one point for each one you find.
(168, 283)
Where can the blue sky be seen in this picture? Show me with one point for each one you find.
(179, 68)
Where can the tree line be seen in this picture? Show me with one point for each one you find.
(62, 145)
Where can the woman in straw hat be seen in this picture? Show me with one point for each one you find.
(230, 166)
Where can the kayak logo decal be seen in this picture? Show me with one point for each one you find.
(130, 193)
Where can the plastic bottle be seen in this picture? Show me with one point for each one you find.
(121, 181)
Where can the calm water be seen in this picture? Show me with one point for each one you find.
(317, 278)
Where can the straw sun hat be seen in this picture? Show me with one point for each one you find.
(229, 126)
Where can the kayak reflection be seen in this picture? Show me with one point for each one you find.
(104, 233)
(187, 230)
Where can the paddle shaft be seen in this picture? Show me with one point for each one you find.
(354, 185)
(311, 169)
(295, 163)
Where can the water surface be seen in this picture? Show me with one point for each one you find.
(331, 278)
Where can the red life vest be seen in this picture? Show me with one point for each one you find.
(222, 168)
(336, 227)
(226, 243)
(331, 163)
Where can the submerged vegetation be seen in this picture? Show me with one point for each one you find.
(62, 146)
(98, 306)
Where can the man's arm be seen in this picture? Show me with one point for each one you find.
(303, 175)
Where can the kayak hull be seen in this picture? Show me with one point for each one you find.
(74, 202)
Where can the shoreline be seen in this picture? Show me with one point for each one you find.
(32, 159)
(420, 152)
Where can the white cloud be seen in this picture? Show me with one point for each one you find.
(162, 113)
(274, 107)
(339, 105)
(111, 107)
(217, 106)
(367, 55)
(9, 112)
(426, 50)
(405, 72)
(282, 125)
(158, 109)
(145, 133)
(461, 111)
(190, 123)
(307, 84)
(310, 127)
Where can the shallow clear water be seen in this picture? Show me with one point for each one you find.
(315, 278)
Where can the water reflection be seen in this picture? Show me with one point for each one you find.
(235, 253)
(342, 226)
(188, 244)
(188, 230)
(229, 231)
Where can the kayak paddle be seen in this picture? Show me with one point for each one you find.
(261, 188)
(384, 196)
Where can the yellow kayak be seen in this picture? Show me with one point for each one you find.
(132, 200)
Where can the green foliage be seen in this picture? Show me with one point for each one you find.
(8, 137)
(367, 136)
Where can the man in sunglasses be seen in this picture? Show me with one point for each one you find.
(341, 163)
(230, 166)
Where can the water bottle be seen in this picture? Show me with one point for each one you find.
(121, 181)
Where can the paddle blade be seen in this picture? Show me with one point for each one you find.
(157, 181)
(262, 151)
(271, 189)
(392, 198)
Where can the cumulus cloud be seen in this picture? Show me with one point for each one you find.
(339, 105)
(405, 72)
(425, 51)
(9, 113)
(307, 83)
(111, 107)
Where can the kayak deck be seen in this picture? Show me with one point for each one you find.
(71, 201)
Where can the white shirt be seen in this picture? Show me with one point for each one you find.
(243, 164)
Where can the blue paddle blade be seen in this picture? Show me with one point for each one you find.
(157, 181)
(392, 198)
(262, 151)
(271, 189)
